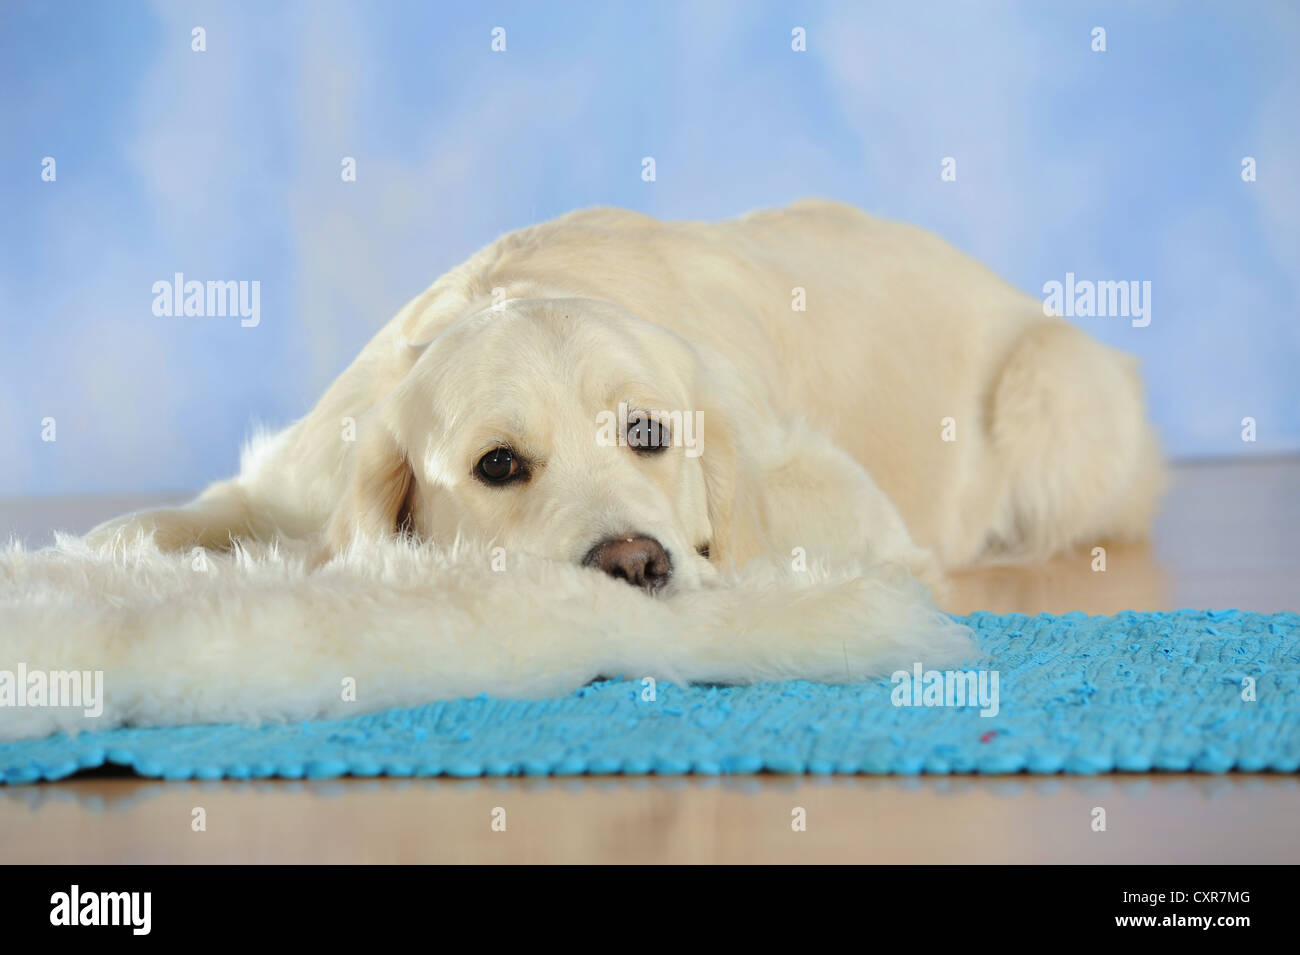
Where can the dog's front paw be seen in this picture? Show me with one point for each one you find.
(169, 530)
(924, 566)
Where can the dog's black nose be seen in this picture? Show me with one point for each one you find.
(641, 561)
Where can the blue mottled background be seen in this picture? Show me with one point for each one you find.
(225, 165)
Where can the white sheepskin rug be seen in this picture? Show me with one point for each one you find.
(263, 634)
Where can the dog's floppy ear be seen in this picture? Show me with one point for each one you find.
(377, 495)
(733, 470)
(376, 500)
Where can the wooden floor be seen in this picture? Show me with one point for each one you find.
(1227, 538)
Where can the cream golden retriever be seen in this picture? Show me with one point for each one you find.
(663, 400)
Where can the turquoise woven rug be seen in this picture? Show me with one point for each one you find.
(1200, 691)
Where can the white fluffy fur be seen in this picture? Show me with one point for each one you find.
(259, 636)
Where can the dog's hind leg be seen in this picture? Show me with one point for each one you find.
(1079, 460)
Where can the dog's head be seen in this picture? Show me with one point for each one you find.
(567, 428)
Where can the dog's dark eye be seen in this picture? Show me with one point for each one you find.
(647, 436)
(499, 466)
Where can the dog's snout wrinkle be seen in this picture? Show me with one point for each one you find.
(635, 558)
